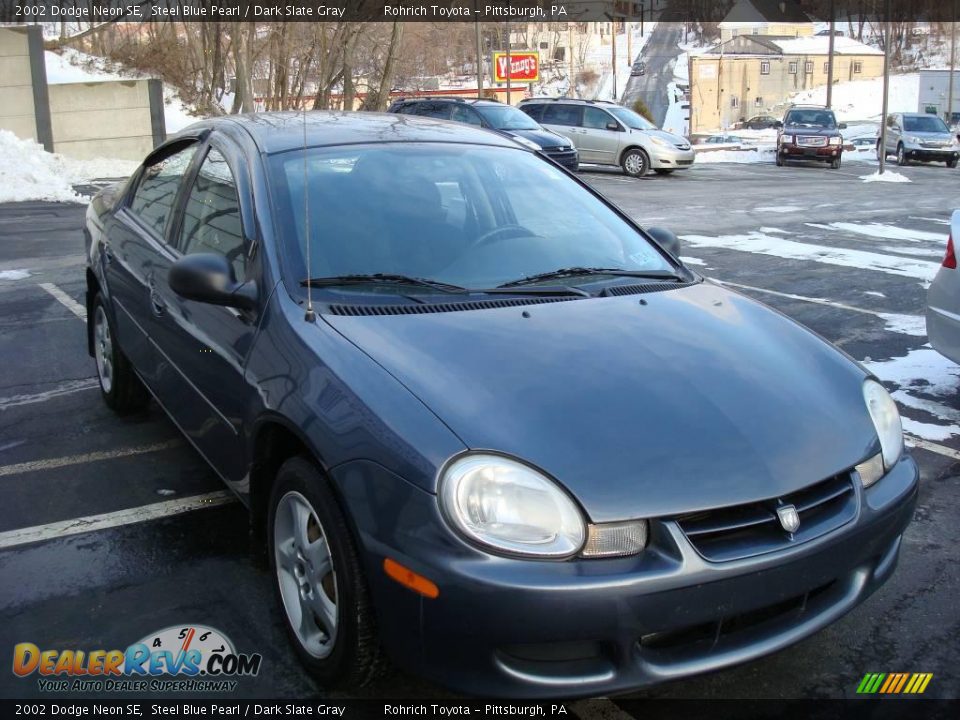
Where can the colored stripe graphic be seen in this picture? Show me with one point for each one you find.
(894, 683)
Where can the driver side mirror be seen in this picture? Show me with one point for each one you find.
(666, 239)
(778, 125)
(613, 126)
(842, 126)
(208, 278)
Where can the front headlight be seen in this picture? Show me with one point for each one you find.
(661, 142)
(510, 507)
(835, 141)
(913, 140)
(886, 419)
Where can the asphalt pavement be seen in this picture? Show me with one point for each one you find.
(67, 464)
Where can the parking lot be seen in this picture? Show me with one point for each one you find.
(162, 543)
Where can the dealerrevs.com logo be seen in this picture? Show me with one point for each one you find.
(182, 658)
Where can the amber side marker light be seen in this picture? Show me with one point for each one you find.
(408, 578)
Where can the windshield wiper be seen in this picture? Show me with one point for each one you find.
(386, 278)
(573, 271)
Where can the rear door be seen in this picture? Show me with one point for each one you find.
(599, 144)
(136, 245)
(204, 347)
(894, 131)
(564, 120)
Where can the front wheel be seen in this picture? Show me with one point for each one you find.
(779, 160)
(120, 387)
(951, 163)
(901, 156)
(635, 163)
(880, 154)
(319, 579)
(835, 163)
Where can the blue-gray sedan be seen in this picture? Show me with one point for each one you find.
(487, 426)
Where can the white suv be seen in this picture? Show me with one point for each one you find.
(605, 133)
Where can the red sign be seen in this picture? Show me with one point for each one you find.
(524, 67)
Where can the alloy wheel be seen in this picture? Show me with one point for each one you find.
(634, 163)
(103, 349)
(308, 583)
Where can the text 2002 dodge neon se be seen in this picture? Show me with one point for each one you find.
(515, 445)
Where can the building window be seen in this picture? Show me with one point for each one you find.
(756, 31)
(734, 102)
(793, 68)
(764, 67)
(808, 67)
(758, 102)
(826, 67)
(857, 67)
(544, 46)
(733, 33)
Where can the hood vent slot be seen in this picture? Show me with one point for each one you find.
(378, 310)
(644, 288)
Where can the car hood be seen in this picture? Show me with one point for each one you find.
(941, 136)
(810, 131)
(543, 138)
(699, 398)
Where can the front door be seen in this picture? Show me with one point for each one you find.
(599, 143)
(204, 347)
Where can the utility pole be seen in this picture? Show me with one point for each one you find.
(476, 27)
(833, 25)
(886, 86)
(613, 51)
(509, 63)
(953, 60)
(629, 43)
(571, 87)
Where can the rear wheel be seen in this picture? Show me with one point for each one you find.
(901, 155)
(635, 162)
(319, 579)
(951, 163)
(120, 387)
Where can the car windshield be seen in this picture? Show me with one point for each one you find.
(811, 118)
(468, 215)
(507, 118)
(631, 119)
(924, 123)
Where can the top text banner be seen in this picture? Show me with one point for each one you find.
(97, 11)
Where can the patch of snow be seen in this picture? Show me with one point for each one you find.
(692, 261)
(905, 324)
(879, 230)
(927, 431)
(769, 230)
(778, 208)
(938, 221)
(820, 45)
(912, 250)
(14, 274)
(755, 242)
(889, 176)
(745, 155)
(874, 293)
(28, 172)
(860, 100)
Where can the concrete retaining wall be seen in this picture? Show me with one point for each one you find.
(23, 85)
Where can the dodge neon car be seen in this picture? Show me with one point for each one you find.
(487, 426)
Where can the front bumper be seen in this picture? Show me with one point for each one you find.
(570, 159)
(923, 154)
(522, 628)
(662, 158)
(823, 153)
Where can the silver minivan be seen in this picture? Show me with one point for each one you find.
(918, 136)
(605, 133)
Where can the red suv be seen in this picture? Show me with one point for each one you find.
(810, 132)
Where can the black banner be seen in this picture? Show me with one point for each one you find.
(96, 11)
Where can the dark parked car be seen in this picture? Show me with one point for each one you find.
(492, 115)
(638, 68)
(758, 122)
(486, 425)
(810, 132)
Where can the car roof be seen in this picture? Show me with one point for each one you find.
(566, 100)
(482, 102)
(276, 132)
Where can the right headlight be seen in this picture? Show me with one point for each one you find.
(510, 507)
(886, 419)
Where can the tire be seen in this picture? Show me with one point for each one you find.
(346, 655)
(663, 171)
(835, 163)
(951, 163)
(635, 163)
(120, 387)
(779, 159)
(880, 155)
(901, 156)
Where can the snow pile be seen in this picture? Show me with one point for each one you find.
(751, 155)
(863, 99)
(28, 172)
(73, 66)
(888, 176)
(14, 274)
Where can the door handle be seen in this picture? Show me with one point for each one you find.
(107, 253)
(157, 304)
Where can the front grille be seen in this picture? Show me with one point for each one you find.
(742, 531)
(684, 162)
(811, 140)
(934, 144)
(558, 150)
(708, 635)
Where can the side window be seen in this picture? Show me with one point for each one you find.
(561, 115)
(595, 118)
(441, 111)
(211, 221)
(408, 109)
(465, 115)
(154, 198)
(535, 111)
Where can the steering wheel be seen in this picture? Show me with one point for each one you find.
(503, 233)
